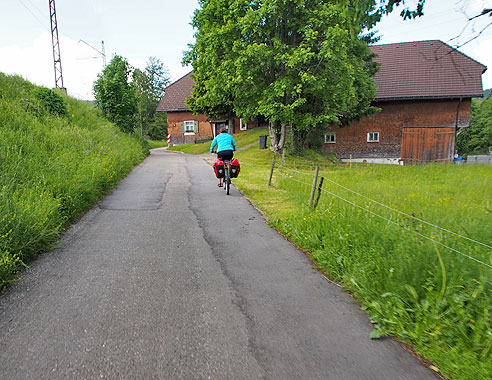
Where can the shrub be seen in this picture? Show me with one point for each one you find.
(51, 101)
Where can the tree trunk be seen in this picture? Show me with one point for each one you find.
(277, 135)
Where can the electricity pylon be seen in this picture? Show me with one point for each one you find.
(56, 47)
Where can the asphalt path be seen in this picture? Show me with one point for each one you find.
(169, 278)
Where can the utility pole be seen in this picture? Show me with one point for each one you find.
(103, 53)
(56, 47)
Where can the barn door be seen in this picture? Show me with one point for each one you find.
(421, 145)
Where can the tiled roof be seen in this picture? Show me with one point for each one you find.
(426, 69)
(176, 93)
(409, 70)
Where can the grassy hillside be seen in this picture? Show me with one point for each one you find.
(57, 158)
(413, 271)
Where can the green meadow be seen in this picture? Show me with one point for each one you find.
(413, 244)
(58, 157)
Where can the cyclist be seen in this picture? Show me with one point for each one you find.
(225, 147)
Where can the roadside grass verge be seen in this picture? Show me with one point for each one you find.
(192, 148)
(416, 281)
(242, 139)
(157, 143)
(55, 163)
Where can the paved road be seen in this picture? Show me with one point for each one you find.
(170, 279)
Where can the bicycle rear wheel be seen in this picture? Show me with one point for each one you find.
(227, 179)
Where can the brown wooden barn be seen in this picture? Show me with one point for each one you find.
(186, 128)
(424, 92)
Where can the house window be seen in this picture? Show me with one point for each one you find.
(330, 138)
(243, 125)
(372, 136)
(189, 126)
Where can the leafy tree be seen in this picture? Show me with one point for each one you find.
(299, 64)
(143, 91)
(213, 58)
(159, 77)
(478, 136)
(115, 95)
(387, 6)
(149, 86)
(129, 97)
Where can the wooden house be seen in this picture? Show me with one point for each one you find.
(424, 93)
(186, 128)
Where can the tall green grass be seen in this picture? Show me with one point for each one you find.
(427, 295)
(54, 164)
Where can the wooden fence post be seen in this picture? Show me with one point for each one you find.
(319, 191)
(315, 181)
(283, 159)
(271, 171)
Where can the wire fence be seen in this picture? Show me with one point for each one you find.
(394, 261)
(313, 185)
(397, 211)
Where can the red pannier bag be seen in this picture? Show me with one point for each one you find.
(235, 168)
(219, 168)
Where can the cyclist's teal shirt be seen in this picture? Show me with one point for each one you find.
(224, 141)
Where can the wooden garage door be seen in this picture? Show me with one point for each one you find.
(420, 145)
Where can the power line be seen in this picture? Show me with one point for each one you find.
(34, 15)
(103, 52)
(33, 5)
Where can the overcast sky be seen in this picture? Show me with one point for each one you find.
(160, 28)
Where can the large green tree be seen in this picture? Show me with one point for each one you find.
(296, 63)
(213, 58)
(115, 95)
